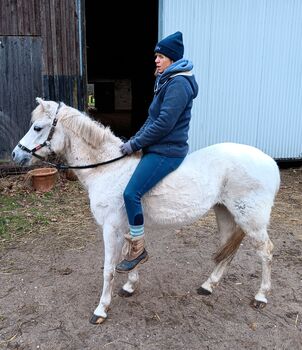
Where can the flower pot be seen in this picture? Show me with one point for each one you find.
(43, 179)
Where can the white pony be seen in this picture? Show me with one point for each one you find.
(238, 181)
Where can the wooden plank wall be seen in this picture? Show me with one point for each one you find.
(56, 21)
(61, 59)
(59, 29)
(20, 83)
(20, 17)
(39, 56)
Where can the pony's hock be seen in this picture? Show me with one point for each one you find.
(238, 182)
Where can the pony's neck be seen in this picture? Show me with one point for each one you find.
(80, 153)
(87, 142)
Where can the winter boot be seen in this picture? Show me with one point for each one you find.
(135, 253)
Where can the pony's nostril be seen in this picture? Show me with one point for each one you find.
(13, 155)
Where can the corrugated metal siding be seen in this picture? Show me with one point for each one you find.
(247, 59)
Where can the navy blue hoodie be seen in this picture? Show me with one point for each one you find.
(166, 129)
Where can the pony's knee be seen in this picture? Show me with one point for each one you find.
(109, 273)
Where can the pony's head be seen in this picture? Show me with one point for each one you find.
(54, 127)
(43, 137)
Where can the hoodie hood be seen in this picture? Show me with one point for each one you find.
(181, 67)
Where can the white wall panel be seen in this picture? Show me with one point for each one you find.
(247, 57)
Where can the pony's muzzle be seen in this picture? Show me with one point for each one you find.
(20, 157)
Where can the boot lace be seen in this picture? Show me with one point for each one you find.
(126, 250)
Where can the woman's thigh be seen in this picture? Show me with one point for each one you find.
(150, 170)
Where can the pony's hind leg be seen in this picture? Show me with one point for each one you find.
(253, 216)
(264, 248)
(231, 237)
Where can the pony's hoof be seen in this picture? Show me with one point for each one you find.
(123, 293)
(97, 319)
(256, 304)
(202, 291)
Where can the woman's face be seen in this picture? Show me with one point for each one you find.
(162, 62)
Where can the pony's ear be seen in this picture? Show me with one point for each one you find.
(39, 100)
(46, 106)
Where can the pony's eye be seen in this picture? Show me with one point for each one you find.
(37, 128)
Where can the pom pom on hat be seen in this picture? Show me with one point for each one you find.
(171, 46)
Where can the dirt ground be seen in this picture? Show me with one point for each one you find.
(51, 278)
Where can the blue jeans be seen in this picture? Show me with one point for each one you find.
(150, 170)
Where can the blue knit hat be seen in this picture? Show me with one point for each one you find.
(171, 46)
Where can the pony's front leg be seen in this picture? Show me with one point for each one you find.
(112, 246)
(129, 287)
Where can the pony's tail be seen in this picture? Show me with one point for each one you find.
(228, 250)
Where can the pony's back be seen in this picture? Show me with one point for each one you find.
(247, 162)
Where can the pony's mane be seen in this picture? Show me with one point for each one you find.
(92, 132)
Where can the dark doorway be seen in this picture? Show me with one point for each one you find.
(120, 37)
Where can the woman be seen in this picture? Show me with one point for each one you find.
(162, 138)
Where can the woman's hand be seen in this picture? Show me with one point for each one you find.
(126, 148)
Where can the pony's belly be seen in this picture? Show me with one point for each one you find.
(174, 216)
(179, 200)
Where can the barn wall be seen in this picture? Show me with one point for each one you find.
(20, 17)
(20, 83)
(247, 60)
(63, 77)
(60, 25)
(59, 31)
(54, 68)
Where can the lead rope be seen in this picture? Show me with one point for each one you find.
(66, 167)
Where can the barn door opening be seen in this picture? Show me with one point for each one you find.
(20, 83)
(120, 38)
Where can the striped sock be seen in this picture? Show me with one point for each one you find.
(137, 230)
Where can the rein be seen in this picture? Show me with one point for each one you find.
(62, 166)
(65, 166)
